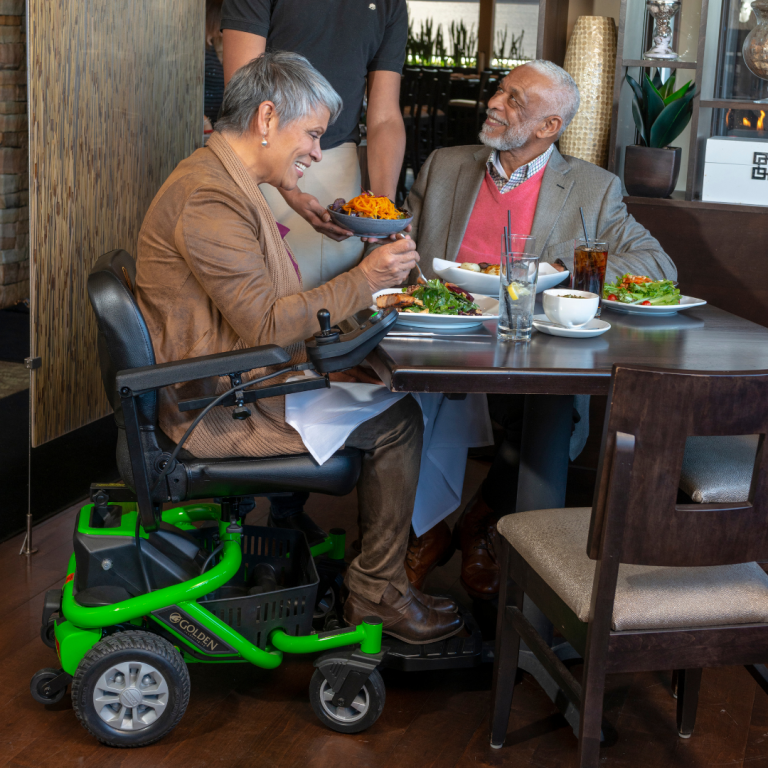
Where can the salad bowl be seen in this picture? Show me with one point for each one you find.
(476, 282)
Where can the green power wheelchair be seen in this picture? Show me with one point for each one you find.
(150, 590)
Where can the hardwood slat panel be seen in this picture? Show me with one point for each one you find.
(116, 99)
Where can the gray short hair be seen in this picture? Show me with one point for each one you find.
(287, 79)
(565, 97)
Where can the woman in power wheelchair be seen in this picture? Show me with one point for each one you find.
(213, 308)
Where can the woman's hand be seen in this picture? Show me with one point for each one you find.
(309, 208)
(390, 265)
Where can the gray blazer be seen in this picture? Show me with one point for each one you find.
(444, 194)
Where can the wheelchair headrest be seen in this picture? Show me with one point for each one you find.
(124, 340)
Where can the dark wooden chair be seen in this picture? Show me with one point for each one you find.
(688, 593)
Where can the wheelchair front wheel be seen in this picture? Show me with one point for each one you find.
(131, 689)
(354, 716)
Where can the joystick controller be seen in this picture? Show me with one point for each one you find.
(331, 350)
(326, 335)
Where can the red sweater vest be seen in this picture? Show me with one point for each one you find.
(482, 240)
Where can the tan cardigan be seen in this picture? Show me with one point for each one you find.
(209, 279)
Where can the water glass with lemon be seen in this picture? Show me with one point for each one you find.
(517, 295)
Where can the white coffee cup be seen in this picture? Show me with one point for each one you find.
(562, 308)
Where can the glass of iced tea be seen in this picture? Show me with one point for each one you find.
(589, 263)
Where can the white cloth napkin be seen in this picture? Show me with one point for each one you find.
(451, 427)
(326, 417)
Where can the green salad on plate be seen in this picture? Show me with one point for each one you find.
(637, 289)
(438, 298)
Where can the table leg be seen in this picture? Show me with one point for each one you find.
(547, 426)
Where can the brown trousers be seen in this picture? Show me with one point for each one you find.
(386, 490)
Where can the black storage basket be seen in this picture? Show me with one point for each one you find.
(290, 608)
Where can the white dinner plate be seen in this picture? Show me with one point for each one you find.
(595, 327)
(477, 282)
(486, 304)
(686, 302)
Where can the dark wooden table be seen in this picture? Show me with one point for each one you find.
(703, 339)
(549, 371)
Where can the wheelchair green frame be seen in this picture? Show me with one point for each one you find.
(82, 627)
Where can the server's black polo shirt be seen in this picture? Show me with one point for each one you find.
(344, 40)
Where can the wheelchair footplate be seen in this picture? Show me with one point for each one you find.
(457, 652)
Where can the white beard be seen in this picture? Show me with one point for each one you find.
(513, 137)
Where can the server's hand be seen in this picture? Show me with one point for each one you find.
(309, 208)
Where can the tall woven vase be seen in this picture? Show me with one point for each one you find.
(591, 61)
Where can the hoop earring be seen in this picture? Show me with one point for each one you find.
(264, 142)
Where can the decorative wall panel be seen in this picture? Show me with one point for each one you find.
(115, 102)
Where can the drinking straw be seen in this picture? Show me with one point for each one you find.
(509, 229)
(584, 224)
(505, 241)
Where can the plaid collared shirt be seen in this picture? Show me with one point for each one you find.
(523, 173)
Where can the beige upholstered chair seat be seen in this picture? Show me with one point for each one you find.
(554, 543)
(718, 469)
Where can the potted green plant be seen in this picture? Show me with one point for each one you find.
(661, 113)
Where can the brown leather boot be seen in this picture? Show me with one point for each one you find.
(476, 530)
(427, 551)
(404, 617)
(435, 603)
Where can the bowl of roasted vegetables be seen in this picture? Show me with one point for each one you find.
(369, 215)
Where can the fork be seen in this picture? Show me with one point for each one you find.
(421, 279)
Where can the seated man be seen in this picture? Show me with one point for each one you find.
(213, 274)
(460, 203)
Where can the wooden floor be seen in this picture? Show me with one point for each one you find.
(239, 715)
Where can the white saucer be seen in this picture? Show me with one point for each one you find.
(595, 327)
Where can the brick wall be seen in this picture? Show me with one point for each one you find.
(14, 156)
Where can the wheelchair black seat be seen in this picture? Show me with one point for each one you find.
(147, 460)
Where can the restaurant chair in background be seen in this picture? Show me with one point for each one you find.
(422, 123)
(429, 129)
(409, 106)
(439, 117)
(466, 116)
(688, 593)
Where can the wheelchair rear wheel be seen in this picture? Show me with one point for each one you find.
(48, 634)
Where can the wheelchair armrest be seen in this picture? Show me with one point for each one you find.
(164, 374)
